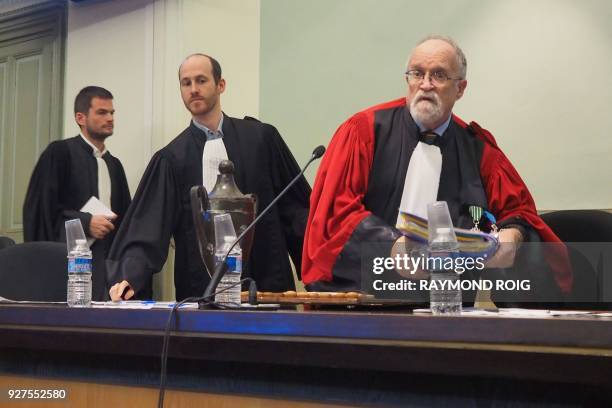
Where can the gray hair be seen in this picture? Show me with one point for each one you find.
(461, 60)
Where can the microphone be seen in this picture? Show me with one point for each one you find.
(316, 154)
(221, 267)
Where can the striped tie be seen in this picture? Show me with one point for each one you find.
(430, 137)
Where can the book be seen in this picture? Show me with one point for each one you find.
(471, 243)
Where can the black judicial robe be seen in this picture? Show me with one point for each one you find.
(161, 209)
(64, 179)
(359, 186)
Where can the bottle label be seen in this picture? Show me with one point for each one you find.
(234, 264)
(79, 265)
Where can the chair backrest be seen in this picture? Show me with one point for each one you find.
(591, 272)
(6, 242)
(580, 225)
(34, 271)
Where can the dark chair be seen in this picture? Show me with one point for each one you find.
(34, 271)
(580, 225)
(591, 270)
(6, 242)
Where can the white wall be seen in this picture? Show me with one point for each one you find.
(229, 31)
(538, 78)
(105, 46)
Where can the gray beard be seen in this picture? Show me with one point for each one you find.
(427, 114)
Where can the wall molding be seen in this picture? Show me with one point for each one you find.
(31, 21)
(10, 8)
(169, 49)
(165, 39)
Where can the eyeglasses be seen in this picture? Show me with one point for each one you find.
(437, 77)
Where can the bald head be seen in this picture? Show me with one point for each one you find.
(441, 43)
(212, 65)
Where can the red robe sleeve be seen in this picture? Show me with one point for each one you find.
(508, 197)
(336, 202)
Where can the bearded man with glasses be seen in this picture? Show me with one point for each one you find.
(402, 155)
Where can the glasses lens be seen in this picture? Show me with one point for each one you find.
(414, 76)
(436, 77)
(439, 77)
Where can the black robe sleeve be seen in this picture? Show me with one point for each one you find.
(140, 247)
(43, 211)
(293, 206)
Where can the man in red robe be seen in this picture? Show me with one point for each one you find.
(402, 154)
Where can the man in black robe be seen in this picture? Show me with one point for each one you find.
(68, 173)
(161, 208)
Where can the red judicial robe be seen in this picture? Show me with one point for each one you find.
(358, 189)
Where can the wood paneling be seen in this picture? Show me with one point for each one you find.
(82, 394)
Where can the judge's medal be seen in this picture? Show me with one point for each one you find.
(476, 213)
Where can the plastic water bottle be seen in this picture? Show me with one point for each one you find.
(79, 274)
(445, 289)
(230, 282)
(229, 286)
(445, 292)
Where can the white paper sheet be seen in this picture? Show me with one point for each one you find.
(96, 207)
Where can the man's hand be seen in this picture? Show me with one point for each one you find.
(101, 225)
(403, 246)
(509, 239)
(117, 289)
